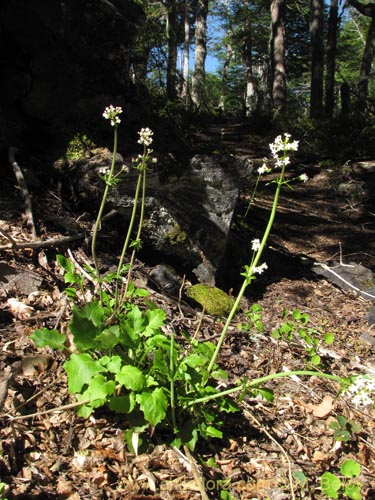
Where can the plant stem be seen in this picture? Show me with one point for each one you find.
(247, 279)
(261, 380)
(100, 214)
(172, 373)
(127, 239)
(140, 224)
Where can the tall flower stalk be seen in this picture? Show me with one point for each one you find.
(279, 149)
(112, 114)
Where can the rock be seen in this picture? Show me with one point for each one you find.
(213, 300)
(188, 208)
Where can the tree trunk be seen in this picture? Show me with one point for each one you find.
(197, 91)
(277, 53)
(317, 58)
(366, 64)
(185, 75)
(224, 76)
(368, 54)
(331, 59)
(172, 50)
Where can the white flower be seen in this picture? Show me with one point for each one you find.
(303, 177)
(360, 391)
(260, 269)
(283, 144)
(145, 136)
(112, 113)
(104, 170)
(255, 245)
(263, 169)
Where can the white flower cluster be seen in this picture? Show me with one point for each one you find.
(264, 169)
(282, 144)
(303, 178)
(361, 390)
(260, 269)
(145, 136)
(112, 113)
(255, 245)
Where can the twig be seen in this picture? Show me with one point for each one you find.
(46, 412)
(196, 474)
(40, 243)
(24, 190)
(329, 269)
(262, 428)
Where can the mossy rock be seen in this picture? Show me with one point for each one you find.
(212, 299)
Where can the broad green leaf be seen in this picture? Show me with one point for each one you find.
(353, 491)
(300, 477)
(342, 435)
(350, 468)
(122, 404)
(48, 338)
(109, 338)
(65, 263)
(131, 377)
(98, 390)
(142, 292)
(154, 405)
(329, 338)
(315, 360)
(85, 325)
(81, 368)
(330, 484)
(71, 278)
(113, 364)
(155, 320)
(213, 432)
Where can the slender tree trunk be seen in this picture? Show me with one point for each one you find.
(248, 61)
(172, 50)
(317, 58)
(185, 75)
(368, 10)
(366, 65)
(197, 91)
(331, 59)
(224, 76)
(277, 53)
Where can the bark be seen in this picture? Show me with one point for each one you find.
(317, 58)
(185, 75)
(224, 78)
(197, 91)
(331, 59)
(172, 50)
(368, 54)
(277, 53)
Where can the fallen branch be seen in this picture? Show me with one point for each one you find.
(13, 245)
(24, 190)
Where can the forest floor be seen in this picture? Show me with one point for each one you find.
(272, 450)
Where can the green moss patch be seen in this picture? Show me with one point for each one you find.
(214, 300)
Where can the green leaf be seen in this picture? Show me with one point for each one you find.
(315, 360)
(353, 491)
(81, 368)
(213, 432)
(330, 484)
(71, 278)
(98, 391)
(329, 338)
(342, 435)
(131, 377)
(48, 338)
(109, 338)
(350, 468)
(300, 477)
(86, 324)
(154, 405)
(155, 320)
(113, 363)
(65, 263)
(122, 404)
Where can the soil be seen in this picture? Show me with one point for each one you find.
(271, 450)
